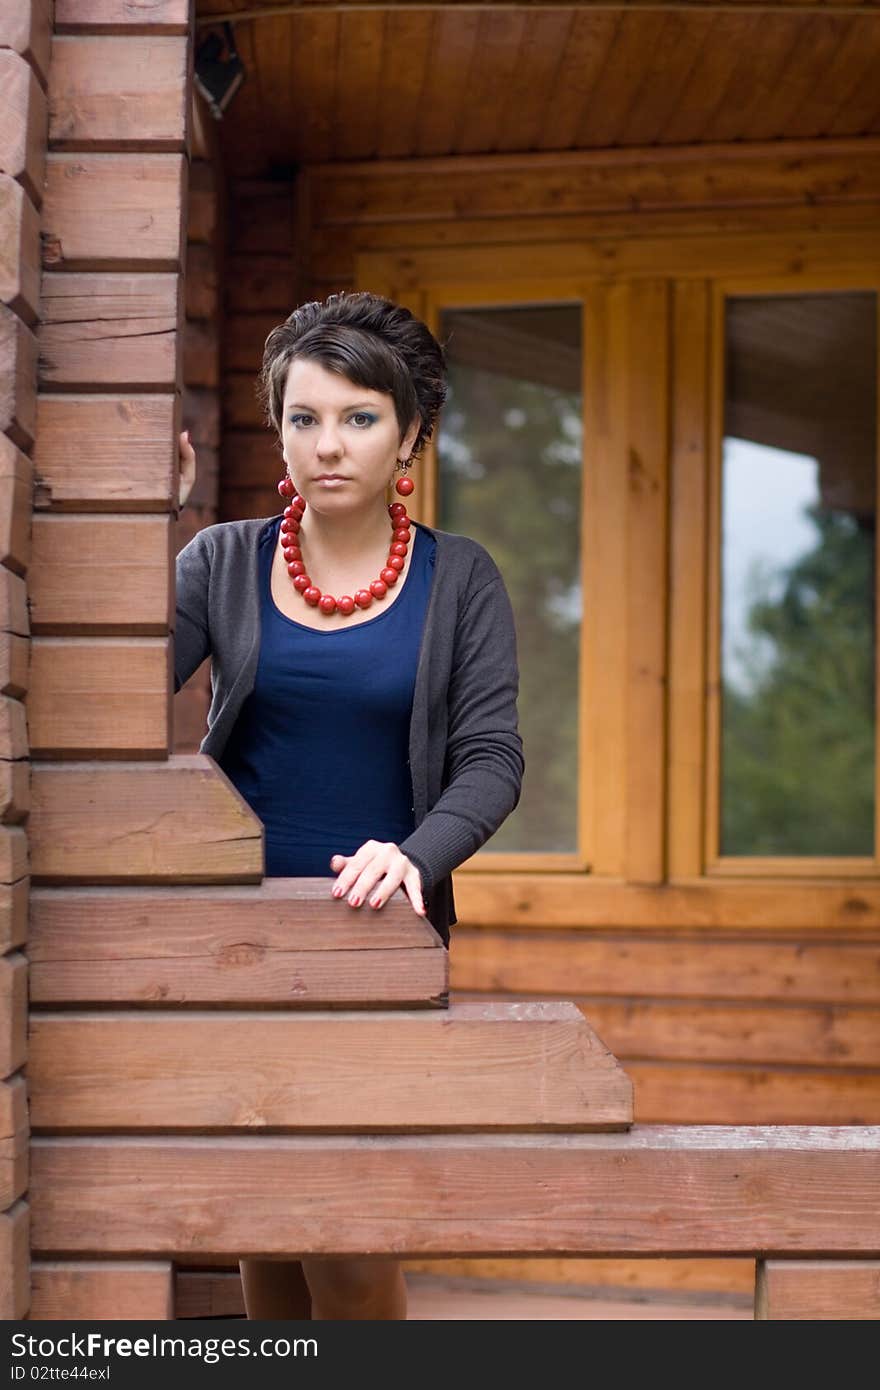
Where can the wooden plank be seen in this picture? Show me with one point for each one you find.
(13, 1106)
(572, 963)
(488, 1066)
(793, 255)
(113, 331)
(114, 212)
(22, 124)
(499, 39)
(821, 1036)
(202, 290)
(13, 604)
(181, 820)
(118, 93)
(13, 729)
(13, 1013)
(15, 1281)
(201, 353)
(18, 378)
(703, 1093)
(105, 453)
(16, 490)
(776, 1191)
(401, 85)
(260, 283)
(646, 593)
(244, 975)
(333, 257)
(120, 16)
(688, 1277)
(15, 795)
(245, 338)
(603, 656)
(19, 250)
(14, 901)
(13, 860)
(13, 1167)
(622, 79)
(201, 209)
(106, 1290)
(581, 181)
(92, 575)
(813, 1290)
(14, 664)
(687, 614)
(575, 900)
(26, 27)
(285, 941)
(110, 698)
(241, 409)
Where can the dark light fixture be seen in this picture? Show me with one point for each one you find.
(218, 70)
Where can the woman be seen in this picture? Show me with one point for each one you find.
(364, 673)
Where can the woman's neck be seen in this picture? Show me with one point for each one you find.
(345, 539)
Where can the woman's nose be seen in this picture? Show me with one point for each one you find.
(329, 444)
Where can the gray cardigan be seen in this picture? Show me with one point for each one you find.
(465, 751)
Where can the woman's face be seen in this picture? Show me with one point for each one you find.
(341, 441)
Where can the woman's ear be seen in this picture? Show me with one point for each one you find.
(409, 439)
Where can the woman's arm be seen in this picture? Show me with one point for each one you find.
(191, 633)
(484, 756)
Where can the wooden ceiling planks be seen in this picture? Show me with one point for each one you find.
(358, 83)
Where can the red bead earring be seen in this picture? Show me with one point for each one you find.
(404, 485)
(285, 487)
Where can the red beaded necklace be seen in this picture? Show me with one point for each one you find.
(290, 526)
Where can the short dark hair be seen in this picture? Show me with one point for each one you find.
(375, 343)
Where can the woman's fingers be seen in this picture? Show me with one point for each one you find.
(374, 873)
(187, 456)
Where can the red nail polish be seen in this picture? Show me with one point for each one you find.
(374, 902)
(355, 902)
(337, 892)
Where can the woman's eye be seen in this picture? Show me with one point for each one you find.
(301, 419)
(361, 418)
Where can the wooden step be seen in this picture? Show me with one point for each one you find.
(473, 1067)
(284, 941)
(692, 1190)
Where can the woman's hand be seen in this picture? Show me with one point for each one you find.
(187, 468)
(375, 871)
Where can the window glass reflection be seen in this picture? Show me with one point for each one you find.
(798, 586)
(509, 454)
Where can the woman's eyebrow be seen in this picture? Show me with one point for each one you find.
(355, 405)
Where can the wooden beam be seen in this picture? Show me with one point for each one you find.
(532, 1067)
(19, 250)
(283, 941)
(121, 17)
(813, 1290)
(106, 699)
(103, 1290)
(119, 93)
(13, 1013)
(16, 493)
(14, 904)
(651, 1191)
(105, 453)
(15, 1287)
(116, 332)
(114, 212)
(176, 821)
(18, 378)
(548, 901)
(22, 124)
(92, 576)
(26, 28)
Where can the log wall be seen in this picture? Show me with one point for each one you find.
(25, 33)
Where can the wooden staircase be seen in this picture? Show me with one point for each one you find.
(262, 1071)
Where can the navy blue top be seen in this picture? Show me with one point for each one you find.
(320, 749)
